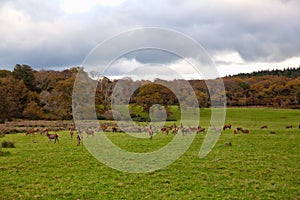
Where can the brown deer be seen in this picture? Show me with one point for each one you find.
(193, 129)
(150, 132)
(289, 126)
(264, 127)
(165, 130)
(114, 129)
(239, 129)
(175, 130)
(71, 132)
(89, 132)
(44, 130)
(226, 126)
(103, 127)
(201, 130)
(32, 131)
(245, 131)
(52, 137)
(79, 139)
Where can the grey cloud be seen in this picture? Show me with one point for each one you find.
(264, 31)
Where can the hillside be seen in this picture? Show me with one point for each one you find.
(47, 94)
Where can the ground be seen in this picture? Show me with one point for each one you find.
(259, 165)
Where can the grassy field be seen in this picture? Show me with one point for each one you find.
(259, 165)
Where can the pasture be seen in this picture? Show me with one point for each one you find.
(258, 165)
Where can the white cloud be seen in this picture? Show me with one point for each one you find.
(60, 33)
(228, 57)
(80, 6)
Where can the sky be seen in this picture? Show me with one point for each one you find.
(239, 36)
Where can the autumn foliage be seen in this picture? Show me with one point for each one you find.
(47, 94)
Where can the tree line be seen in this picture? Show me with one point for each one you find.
(288, 72)
(47, 94)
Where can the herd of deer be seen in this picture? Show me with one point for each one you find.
(238, 129)
(54, 136)
(164, 130)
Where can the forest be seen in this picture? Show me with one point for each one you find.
(26, 93)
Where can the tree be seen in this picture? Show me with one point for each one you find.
(13, 95)
(61, 99)
(151, 93)
(25, 73)
(33, 111)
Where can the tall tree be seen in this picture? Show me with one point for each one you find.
(25, 73)
(13, 95)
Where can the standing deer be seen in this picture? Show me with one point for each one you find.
(71, 133)
(44, 130)
(79, 139)
(32, 131)
(150, 132)
(52, 137)
(89, 132)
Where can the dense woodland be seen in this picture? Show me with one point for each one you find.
(47, 94)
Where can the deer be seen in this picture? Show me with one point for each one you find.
(200, 130)
(44, 130)
(226, 126)
(89, 132)
(71, 132)
(289, 126)
(32, 131)
(175, 130)
(165, 130)
(150, 132)
(52, 137)
(239, 129)
(79, 139)
(264, 127)
(245, 131)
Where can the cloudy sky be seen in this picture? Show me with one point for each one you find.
(240, 36)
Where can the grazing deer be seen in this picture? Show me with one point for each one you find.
(32, 131)
(200, 130)
(165, 130)
(52, 137)
(217, 130)
(235, 132)
(239, 129)
(245, 131)
(289, 126)
(44, 130)
(226, 126)
(193, 129)
(264, 127)
(299, 126)
(89, 132)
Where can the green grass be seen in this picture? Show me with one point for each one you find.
(257, 166)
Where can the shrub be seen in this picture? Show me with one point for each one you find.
(7, 144)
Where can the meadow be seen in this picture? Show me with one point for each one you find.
(258, 165)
